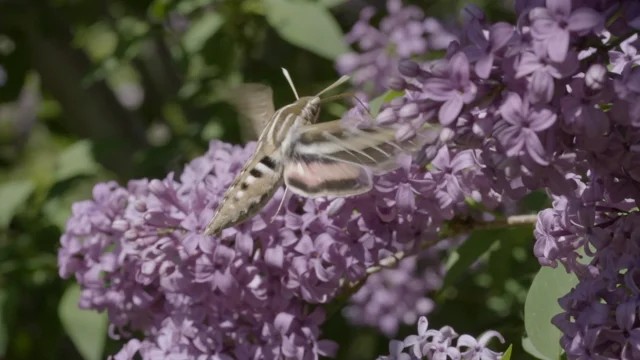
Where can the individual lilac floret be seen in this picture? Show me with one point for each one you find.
(524, 122)
(440, 344)
(485, 48)
(628, 54)
(552, 25)
(454, 91)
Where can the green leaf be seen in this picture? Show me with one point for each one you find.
(507, 354)
(471, 250)
(75, 160)
(542, 304)
(13, 195)
(200, 31)
(87, 329)
(159, 9)
(392, 94)
(57, 209)
(307, 25)
(376, 104)
(527, 345)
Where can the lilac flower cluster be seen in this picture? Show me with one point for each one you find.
(403, 33)
(551, 103)
(445, 343)
(139, 254)
(392, 297)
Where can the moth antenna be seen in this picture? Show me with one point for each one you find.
(337, 83)
(284, 197)
(288, 77)
(350, 95)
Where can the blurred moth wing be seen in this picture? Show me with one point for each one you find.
(254, 104)
(329, 159)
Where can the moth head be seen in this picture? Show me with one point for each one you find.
(308, 107)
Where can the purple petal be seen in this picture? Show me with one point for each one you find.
(439, 89)
(535, 148)
(305, 245)
(487, 336)
(327, 348)
(567, 67)
(423, 325)
(558, 46)
(584, 19)
(543, 24)
(395, 347)
(560, 7)
(459, 68)
(511, 109)
(274, 256)
(500, 34)
(405, 198)
(475, 35)
(483, 66)
(467, 341)
(626, 315)
(541, 119)
(449, 110)
(463, 160)
(529, 62)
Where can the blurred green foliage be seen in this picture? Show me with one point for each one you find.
(113, 90)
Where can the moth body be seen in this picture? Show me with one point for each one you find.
(311, 159)
(261, 176)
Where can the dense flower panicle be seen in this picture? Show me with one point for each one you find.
(139, 253)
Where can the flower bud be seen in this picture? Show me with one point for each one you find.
(595, 77)
(396, 83)
(386, 117)
(408, 68)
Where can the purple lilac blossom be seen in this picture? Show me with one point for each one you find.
(140, 255)
(404, 32)
(431, 344)
(549, 112)
(399, 296)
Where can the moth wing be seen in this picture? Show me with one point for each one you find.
(374, 148)
(311, 178)
(254, 103)
(332, 159)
